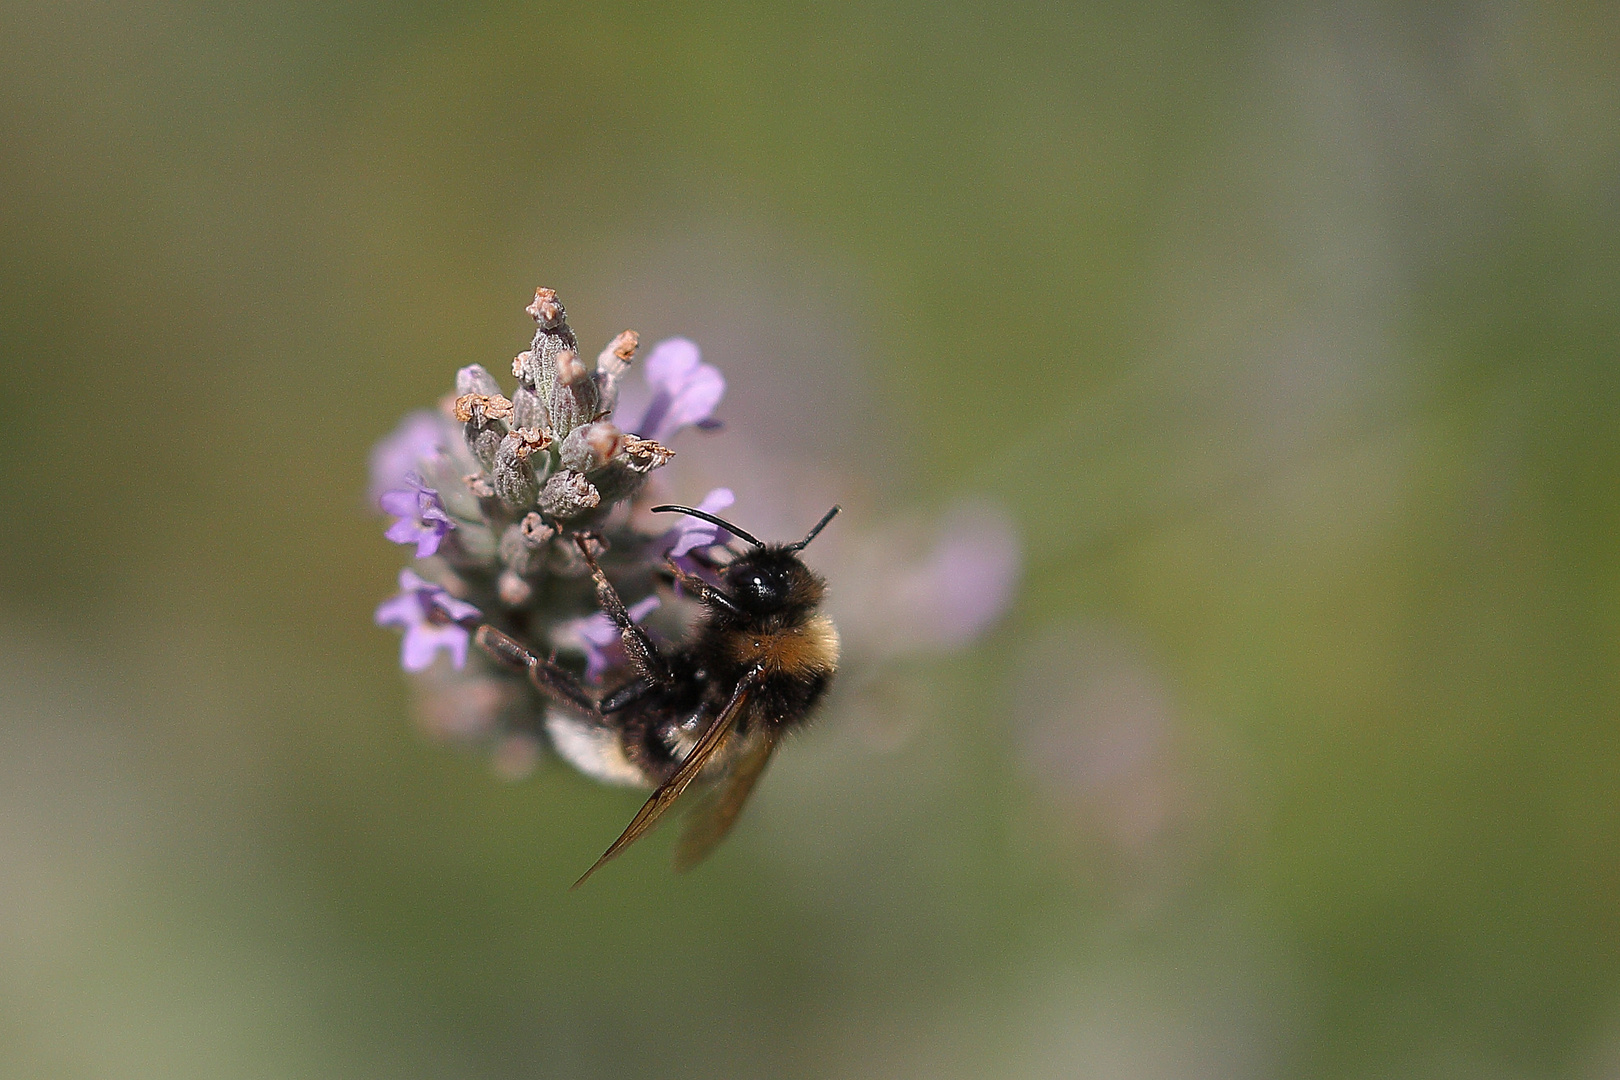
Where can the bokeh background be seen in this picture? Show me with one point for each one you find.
(1286, 334)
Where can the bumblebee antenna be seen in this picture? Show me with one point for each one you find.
(673, 508)
(822, 524)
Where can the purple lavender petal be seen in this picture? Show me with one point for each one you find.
(400, 503)
(403, 531)
(685, 391)
(400, 611)
(412, 612)
(424, 640)
(419, 438)
(422, 518)
(458, 610)
(690, 533)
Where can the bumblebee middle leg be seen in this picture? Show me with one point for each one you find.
(644, 654)
(555, 682)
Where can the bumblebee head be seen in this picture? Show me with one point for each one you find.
(771, 578)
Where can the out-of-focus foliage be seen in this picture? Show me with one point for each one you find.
(1287, 337)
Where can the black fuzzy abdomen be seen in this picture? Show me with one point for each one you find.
(787, 702)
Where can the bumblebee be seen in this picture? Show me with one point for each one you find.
(716, 707)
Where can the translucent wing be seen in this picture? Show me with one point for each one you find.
(713, 819)
(665, 796)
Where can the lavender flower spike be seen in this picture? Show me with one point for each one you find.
(431, 620)
(685, 391)
(422, 520)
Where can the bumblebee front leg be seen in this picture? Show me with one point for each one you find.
(643, 653)
(555, 682)
(698, 589)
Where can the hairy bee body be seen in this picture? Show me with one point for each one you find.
(752, 669)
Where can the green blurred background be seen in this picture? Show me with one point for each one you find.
(1288, 335)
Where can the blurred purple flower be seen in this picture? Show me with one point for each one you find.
(690, 533)
(598, 638)
(685, 391)
(430, 618)
(418, 438)
(965, 582)
(422, 520)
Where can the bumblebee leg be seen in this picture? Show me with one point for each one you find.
(555, 682)
(626, 696)
(643, 653)
(695, 586)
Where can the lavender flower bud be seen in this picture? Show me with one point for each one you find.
(611, 365)
(512, 589)
(536, 533)
(523, 544)
(515, 482)
(474, 379)
(568, 494)
(482, 415)
(574, 400)
(551, 370)
(528, 407)
(590, 447)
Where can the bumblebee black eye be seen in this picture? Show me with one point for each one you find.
(756, 588)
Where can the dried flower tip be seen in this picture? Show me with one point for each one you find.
(531, 441)
(645, 455)
(520, 363)
(478, 484)
(570, 372)
(568, 494)
(482, 427)
(473, 379)
(535, 532)
(546, 310)
(611, 365)
(491, 406)
(514, 591)
(590, 447)
(616, 357)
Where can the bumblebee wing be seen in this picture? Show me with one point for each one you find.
(662, 799)
(718, 812)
